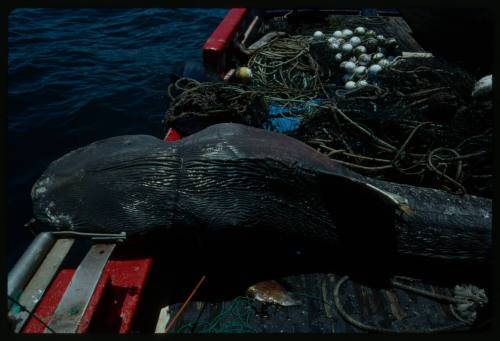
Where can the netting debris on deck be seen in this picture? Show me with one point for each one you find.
(417, 123)
(332, 304)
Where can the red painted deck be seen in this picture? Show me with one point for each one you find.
(49, 302)
(113, 303)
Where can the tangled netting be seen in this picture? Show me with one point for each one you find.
(416, 124)
(419, 125)
(196, 105)
(246, 315)
(286, 63)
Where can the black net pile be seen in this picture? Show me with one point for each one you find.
(196, 105)
(418, 125)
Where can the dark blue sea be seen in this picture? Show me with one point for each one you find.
(79, 75)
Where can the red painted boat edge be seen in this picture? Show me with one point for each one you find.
(216, 46)
(171, 135)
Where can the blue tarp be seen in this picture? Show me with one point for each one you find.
(279, 121)
(283, 124)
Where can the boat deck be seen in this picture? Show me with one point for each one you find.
(392, 309)
(310, 274)
(386, 308)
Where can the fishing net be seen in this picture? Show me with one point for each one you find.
(286, 63)
(228, 317)
(416, 124)
(197, 105)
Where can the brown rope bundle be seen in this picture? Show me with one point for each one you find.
(286, 63)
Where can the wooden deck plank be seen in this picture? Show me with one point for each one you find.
(384, 312)
(394, 305)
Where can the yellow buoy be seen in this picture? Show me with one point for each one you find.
(243, 74)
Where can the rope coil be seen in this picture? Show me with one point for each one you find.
(463, 305)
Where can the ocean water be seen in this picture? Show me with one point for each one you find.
(79, 75)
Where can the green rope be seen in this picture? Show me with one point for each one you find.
(30, 313)
(222, 322)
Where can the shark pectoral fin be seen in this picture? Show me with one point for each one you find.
(272, 292)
